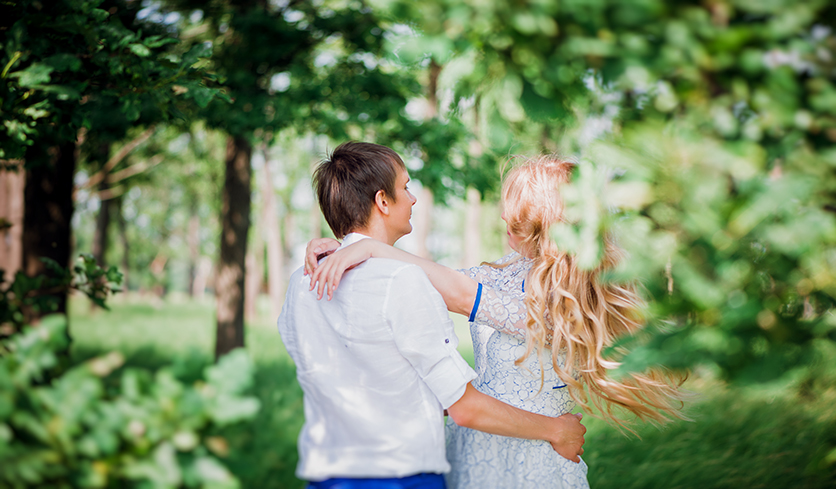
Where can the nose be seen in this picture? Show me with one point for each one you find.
(413, 198)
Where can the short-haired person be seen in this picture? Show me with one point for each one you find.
(378, 363)
(540, 325)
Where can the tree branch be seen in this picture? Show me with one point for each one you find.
(119, 156)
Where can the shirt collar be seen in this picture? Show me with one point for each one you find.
(352, 238)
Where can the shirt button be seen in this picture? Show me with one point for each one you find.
(447, 340)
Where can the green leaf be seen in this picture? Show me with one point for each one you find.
(63, 92)
(36, 74)
(202, 50)
(38, 110)
(140, 50)
(63, 62)
(202, 95)
(227, 409)
(233, 374)
(99, 15)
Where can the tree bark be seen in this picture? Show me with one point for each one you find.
(275, 245)
(252, 285)
(432, 90)
(103, 217)
(11, 210)
(48, 213)
(235, 222)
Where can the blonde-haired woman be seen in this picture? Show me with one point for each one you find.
(539, 324)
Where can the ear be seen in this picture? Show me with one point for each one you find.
(381, 201)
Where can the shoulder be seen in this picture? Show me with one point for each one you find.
(399, 271)
(297, 277)
(508, 258)
(401, 279)
(384, 273)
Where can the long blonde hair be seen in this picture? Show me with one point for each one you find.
(574, 311)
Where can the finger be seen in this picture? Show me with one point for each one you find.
(331, 285)
(333, 288)
(579, 415)
(316, 280)
(321, 288)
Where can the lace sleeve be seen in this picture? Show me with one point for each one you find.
(480, 274)
(488, 275)
(502, 310)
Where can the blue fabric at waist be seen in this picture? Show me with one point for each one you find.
(417, 481)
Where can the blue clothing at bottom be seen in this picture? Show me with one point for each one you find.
(417, 481)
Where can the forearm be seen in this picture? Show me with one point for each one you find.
(484, 413)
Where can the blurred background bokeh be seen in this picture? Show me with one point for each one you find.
(155, 195)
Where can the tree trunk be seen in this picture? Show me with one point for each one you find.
(201, 279)
(48, 213)
(288, 235)
(275, 245)
(103, 217)
(194, 248)
(432, 90)
(422, 221)
(252, 285)
(123, 238)
(11, 211)
(315, 217)
(472, 232)
(235, 222)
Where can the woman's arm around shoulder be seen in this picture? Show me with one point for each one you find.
(458, 290)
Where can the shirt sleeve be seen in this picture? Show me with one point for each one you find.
(503, 311)
(423, 333)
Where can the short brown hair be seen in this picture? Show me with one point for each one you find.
(347, 181)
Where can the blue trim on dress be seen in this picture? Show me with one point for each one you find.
(558, 386)
(475, 303)
(523, 285)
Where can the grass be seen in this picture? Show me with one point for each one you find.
(775, 436)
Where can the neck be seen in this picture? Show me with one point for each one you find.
(376, 231)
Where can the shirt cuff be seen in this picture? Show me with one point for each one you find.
(475, 304)
(449, 378)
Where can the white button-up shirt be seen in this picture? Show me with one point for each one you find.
(377, 365)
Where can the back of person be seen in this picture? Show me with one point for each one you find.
(374, 366)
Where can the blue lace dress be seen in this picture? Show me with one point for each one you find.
(484, 461)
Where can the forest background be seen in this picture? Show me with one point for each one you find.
(163, 149)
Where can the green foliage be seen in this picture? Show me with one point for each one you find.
(90, 428)
(766, 435)
(739, 263)
(739, 438)
(722, 143)
(66, 64)
(179, 335)
(27, 297)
